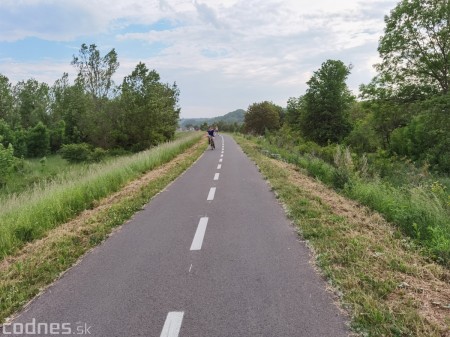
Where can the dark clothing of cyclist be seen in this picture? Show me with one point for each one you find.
(211, 133)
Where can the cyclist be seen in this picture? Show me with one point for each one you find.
(211, 137)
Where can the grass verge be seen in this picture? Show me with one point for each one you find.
(421, 211)
(30, 215)
(24, 274)
(383, 282)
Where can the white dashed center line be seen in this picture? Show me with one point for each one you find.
(199, 234)
(216, 176)
(219, 166)
(172, 324)
(211, 193)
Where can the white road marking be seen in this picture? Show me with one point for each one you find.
(220, 160)
(221, 156)
(219, 166)
(211, 193)
(190, 268)
(199, 234)
(172, 324)
(216, 176)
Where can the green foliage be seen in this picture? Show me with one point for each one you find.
(295, 111)
(57, 136)
(82, 152)
(327, 101)
(33, 102)
(415, 50)
(6, 162)
(94, 71)
(6, 100)
(426, 138)
(38, 141)
(150, 109)
(412, 199)
(33, 213)
(261, 117)
(20, 143)
(76, 153)
(344, 167)
(363, 137)
(6, 133)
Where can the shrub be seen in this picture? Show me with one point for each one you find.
(6, 162)
(76, 153)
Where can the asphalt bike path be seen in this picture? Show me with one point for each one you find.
(212, 255)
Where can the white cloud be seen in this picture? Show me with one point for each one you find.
(239, 46)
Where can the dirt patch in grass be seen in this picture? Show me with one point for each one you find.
(87, 217)
(420, 281)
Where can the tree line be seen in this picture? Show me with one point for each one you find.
(37, 119)
(403, 111)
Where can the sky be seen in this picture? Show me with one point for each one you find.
(223, 54)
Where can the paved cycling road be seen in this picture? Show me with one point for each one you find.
(213, 255)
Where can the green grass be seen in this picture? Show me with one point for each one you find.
(25, 277)
(421, 211)
(35, 171)
(364, 265)
(31, 214)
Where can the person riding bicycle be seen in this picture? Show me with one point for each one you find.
(210, 136)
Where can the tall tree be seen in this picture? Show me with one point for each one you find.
(94, 71)
(327, 101)
(151, 109)
(71, 104)
(33, 102)
(6, 101)
(262, 116)
(415, 49)
(38, 144)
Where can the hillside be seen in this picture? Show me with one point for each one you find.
(236, 116)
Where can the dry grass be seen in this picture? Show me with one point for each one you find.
(425, 283)
(32, 269)
(381, 277)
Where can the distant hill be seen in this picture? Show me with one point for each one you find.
(236, 116)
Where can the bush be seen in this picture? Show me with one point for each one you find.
(6, 162)
(97, 155)
(76, 153)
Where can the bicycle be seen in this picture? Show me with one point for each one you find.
(211, 142)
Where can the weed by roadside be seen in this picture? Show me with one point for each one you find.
(24, 274)
(385, 283)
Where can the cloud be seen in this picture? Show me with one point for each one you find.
(226, 47)
(49, 20)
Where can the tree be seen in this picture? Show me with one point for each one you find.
(6, 161)
(33, 102)
(95, 72)
(327, 101)
(415, 49)
(262, 116)
(150, 109)
(294, 111)
(6, 101)
(74, 106)
(38, 141)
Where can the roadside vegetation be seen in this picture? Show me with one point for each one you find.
(382, 279)
(390, 148)
(31, 267)
(85, 119)
(29, 215)
(366, 179)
